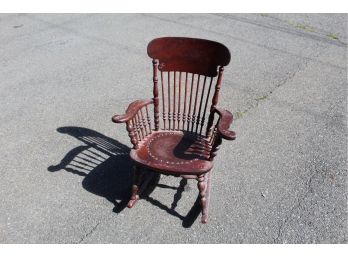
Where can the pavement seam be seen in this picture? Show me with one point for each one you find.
(317, 34)
(270, 48)
(305, 27)
(296, 196)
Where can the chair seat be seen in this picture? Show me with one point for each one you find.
(174, 152)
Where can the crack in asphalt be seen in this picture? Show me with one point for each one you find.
(254, 105)
(302, 67)
(308, 185)
(89, 233)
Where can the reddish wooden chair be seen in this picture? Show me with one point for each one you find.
(182, 143)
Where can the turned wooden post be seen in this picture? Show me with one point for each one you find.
(202, 186)
(135, 187)
(214, 101)
(216, 143)
(132, 135)
(148, 119)
(155, 94)
(186, 146)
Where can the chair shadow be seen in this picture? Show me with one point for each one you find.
(107, 168)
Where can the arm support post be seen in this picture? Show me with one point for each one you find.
(138, 126)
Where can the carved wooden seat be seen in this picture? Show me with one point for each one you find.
(185, 141)
(175, 152)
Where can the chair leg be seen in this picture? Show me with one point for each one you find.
(204, 189)
(207, 194)
(135, 187)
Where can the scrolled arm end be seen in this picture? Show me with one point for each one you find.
(228, 134)
(131, 111)
(118, 119)
(226, 119)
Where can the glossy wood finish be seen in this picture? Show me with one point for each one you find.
(190, 66)
(174, 152)
(138, 126)
(191, 55)
(155, 93)
(185, 140)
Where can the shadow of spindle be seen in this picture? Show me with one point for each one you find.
(103, 161)
(107, 170)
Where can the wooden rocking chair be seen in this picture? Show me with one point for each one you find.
(182, 143)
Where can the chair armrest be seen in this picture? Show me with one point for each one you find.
(225, 121)
(131, 111)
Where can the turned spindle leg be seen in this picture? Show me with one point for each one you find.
(207, 193)
(135, 187)
(202, 187)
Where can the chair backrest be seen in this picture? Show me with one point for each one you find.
(188, 68)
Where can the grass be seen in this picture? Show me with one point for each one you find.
(261, 98)
(240, 114)
(333, 36)
(305, 27)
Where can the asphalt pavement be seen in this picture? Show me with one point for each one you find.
(64, 165)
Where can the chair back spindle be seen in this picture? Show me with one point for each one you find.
(155, 94)
(190, 72)
(188, 68)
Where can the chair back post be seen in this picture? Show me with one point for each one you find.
(214, 102)
(155, 94)
(199, 59)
